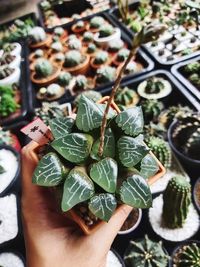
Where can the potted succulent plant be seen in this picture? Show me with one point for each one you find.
(100, 58)
(75, 62)
(79, 27)
(74, 44)
(9, 76)
(81, 83)
(114, 47)
(13, 48)
(107, 34)
(104, 75)
(121, 56)
(44, 72)
(87, 38)
(132, 222)
(60, 33)
(126, 98)
(146, 253)
(99, 161)
(188, 254)
(95, 23)
(39, 38)
(196, 194)
(12, 61)
(51, 93)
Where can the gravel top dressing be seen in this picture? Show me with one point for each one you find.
(8, 218)
(10, 164)
(8, 259)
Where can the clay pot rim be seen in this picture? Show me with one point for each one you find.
(97, 66)
(47, 80)
(75, 30)
(47, 41)
(53, 98)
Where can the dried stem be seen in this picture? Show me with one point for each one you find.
(113, 92)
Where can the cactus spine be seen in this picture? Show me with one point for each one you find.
(176, 202)
(145, 253)
(187, 256)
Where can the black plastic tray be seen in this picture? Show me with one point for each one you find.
(31, 15)
(63, 11)
(177, 72)
(24, 87)
(141, 56)
(161, 64)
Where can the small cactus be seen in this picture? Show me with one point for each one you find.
(151, 109)
(105, 74)
(145, 253)
(106, 30)
(72, 58)
(96, 22)
(91, 48)
(43, 68)
(80, 82)
(80, 24)
(64, 78)
(58, 31)
(116, 46)
(161, 150)
(126, 97)
(101, 57)
(187, 255)
(37, 34)
(57, 46)
(123, 54)
(74, 44)
(5, 137)
(176, 202)
(88, 36)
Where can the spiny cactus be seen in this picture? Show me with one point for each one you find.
(145, 253)
(151, 109)
(43, 68)
(126, 97)
(64, 78)
(176, 202)
(105, 74)
(96, 22)
(91, 48)
(37, 34)
(74, 44)
(187, 255)
(80, 82)
(106, 30)
(101, 57)
(88, 36)
(161, 150)
(72, 58)
(123, 54)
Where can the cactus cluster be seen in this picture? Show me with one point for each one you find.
(126, 97)
(43, 68)
(8, 105)
(145, 253)
(187, 255)
(187, 135)
(80, 24)
(161, 150)
(72, 58)
(105, 74)
(58, 31)
(151, 109)
(176, 202)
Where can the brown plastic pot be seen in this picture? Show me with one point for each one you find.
(47, 80)
(45, 43)
(72, 213)
(81, 68)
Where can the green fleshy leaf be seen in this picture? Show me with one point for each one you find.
(131, 121)
(89, 115)
(61, 126)
(49, 171)
(109, 146)
(78, 187)
(111, 113)
(103, 206)
(135, 192)
(149, 166)
(74, 147)
(104, 173)
(131, 151)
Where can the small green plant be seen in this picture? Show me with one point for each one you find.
(176, 202)
(126, 97)
(106, 30)
(161, 150)
(39, 53)
(105, 74)
(154, 86)
(151, 109)
(57, 46)
(123, 54)
(64, 78)
(80, 24)
(72, 58)
(124, 10)
(96, 22)
(88, 37)
(80, 82)
(116, 46)
(43, 68)
(187, 255)
(74, 44)
(146, 253)
(192, 67)
(58, 31)
(91, 48)
(37, 34)
(101, 57)
(8, 104)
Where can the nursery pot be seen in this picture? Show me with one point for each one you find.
(32, 153)
(104, 41)
(189, 163)
(13, 78)
(131, 229)
(195, 197)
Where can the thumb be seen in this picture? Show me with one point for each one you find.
(108, 231)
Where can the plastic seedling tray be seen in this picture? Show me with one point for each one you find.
(178, 72)
(141, 57)
(160, 62)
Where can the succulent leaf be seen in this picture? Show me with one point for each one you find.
(61, 126)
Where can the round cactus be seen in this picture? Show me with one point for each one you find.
(96, 22)
(37, 34)
(101, 57)
(145, 253)
(126, 97)
(106, 30)
(64, 78)
(116, 46)
(43, 68)
(39, 53)
(151, 109)
(91, 48)
(105, 74)
(72, 58)
(58, 31)
(192, 67)
(57, 46)
(176, 202)
(187, 255)
(80, 24)
(123, 54)
(74, 43)
(88, 36)
(80, 82)
(161, 150)
(53, 89)
(59, 57)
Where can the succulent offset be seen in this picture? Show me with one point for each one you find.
(145, 253)
(176, 202)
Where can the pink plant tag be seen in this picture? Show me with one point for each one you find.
(38, 131)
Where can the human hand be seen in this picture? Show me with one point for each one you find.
(51, 239)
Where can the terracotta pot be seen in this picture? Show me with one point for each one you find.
(32, 153)
(47, 80)
(42, 44)
(97, 66)
(81, 68)
(51, 98)
(93, 30)
(52, 59)
(78, 30)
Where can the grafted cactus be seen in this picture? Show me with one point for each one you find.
(176, 202)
